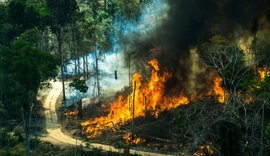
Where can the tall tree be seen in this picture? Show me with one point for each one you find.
(63, 13)
(25, 67)
(101, 28)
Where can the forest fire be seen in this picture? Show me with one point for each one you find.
(146, 97)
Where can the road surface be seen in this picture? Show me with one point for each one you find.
(56, 136)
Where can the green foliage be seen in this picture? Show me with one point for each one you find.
(33, 36)
(8, 138)
(25, 15)
(23, 68)
(29, 66)
(79, 85)
(259, 88)
(129, 8)
(63, 11)
(20, 15)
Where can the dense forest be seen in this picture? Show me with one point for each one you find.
(188, 77)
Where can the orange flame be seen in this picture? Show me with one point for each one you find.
(263, 72)
(129, 139)
(148, 97)
(218, 90)
(71, 114)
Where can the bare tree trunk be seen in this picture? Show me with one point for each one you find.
(84, 69)
(26, 113)
(46, 40)
(26, 129)
(133, 109)
(97, 73)
(75, 66)
(78, 65)
(87, 68)
(59, 39)
(97, 68)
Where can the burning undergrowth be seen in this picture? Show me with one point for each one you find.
(177, 76)
(166, 120)
(145, 97)
(149, 98)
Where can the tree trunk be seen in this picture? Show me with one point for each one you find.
(105, 5)
(97, 68)
(46, 40)
(97, 73)
(133, 109)
(87, 69)
(78, 64)
(27, 137)
(80, 114)
(84, 69)
(75, 67)
(59, 39)
(26, 113)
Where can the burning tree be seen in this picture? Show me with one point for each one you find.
(229, 63)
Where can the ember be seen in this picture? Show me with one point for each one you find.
(71, 114)
(129, 139)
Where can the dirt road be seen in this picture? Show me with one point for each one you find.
(56, 136)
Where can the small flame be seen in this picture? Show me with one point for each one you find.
(204, 150)
(148, 97)
(133, 139)
(218, 90)
(263, 72)
(71, 114)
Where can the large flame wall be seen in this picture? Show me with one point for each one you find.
(147, 97)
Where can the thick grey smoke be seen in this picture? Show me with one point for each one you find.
(191, 22)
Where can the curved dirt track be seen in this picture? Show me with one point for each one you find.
(56, 136)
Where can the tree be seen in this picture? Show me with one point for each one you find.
(79, 85)
(24, 16)
(129, 8)
(25, 67)
(227, 59)
(63, 12)
(99, 24)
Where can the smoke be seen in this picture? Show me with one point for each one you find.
(114, 60)
(189, 23)
(171, 30)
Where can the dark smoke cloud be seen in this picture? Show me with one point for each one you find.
(192, 22)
